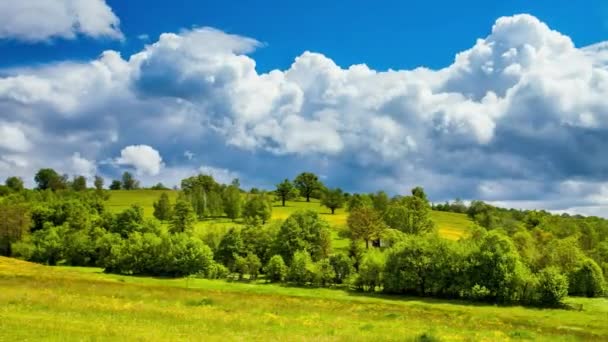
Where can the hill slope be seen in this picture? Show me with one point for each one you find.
(54, 303)
(450, 225)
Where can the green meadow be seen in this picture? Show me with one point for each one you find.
(74, 303)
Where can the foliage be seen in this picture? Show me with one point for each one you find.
(162, 208)
(587, 279)
(257, 207)
(307, 183)
(183, 217)
(302, 269)
(304, 231)
(552, 287)
(286, 191)
(15, 184)
(365, 224)
(115, 185)
(275, 269)
(129, 182)
(232, 202)
(333, 199)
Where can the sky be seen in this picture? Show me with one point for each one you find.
(500, 101)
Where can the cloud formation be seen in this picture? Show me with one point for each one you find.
(518, 118)
(143, 158)
(36, 20)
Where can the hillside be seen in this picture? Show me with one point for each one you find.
(450, 225)
(63, 303)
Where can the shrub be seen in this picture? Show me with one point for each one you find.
(371, 271)
(301, 270)
(552, 287)
(275, 269)
(343, 267)
(587, 280)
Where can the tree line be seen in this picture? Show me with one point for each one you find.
(509, 256)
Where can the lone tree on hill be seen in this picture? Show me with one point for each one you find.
(333, 199)
(307, 183)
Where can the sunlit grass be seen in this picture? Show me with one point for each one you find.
(450, 225)
(62, 303)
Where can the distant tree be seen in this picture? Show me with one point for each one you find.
(14, 183)
(380, 201)
(129, 182)
(419, 192)
(232, 202)
(286, 191)
(159, 186)
(257, 207)
(115, 185)
(49, 179)
(357, 201)
(410, 215)
(183, 217)
(307, 183)
(333, 199)
(79, 183)
(98, 183)
(365, 224)
(162, 207)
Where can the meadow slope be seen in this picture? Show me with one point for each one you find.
(56, 303)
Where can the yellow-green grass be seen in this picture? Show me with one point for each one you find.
(450, 225)
(63, 304)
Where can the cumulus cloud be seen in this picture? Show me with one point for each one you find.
(12, 138)
(35, 20)
(517, 118)
(143, 158)
(83, 166)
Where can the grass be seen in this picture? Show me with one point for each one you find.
(450, 225)
(61, 303)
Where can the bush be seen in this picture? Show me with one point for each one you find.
(215, 271)
(552, 287)
(587, 280)
(371, 271)
(302, 270)
(324, 273)
(343, 267)
(275, 269)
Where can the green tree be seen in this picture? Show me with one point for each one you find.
(419, 193)
(183, 218)
(14, 183)
(257, 207)
(286, 191)
(343, 267)
(302, 269)
(275, 269)
(587, 280)
(231, 246)
(357, 201)
(79, 183)
(307, 183)
(232, 202)
(306, 231)
(115, 185)
(162, 207)
(49, 179)
(98, 183)
(552, 287)
(365, 224)
(333, 199)
(410, 215)
(371, 271)
(15, 221)
(324, 272)
(129, 182)
(380, 201)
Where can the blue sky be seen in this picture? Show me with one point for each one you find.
(385, 34)
(500, 101)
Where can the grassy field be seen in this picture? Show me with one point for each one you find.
(450, 225)
(55, 303)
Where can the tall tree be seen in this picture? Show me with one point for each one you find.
(307, 183)
(129, 182)
(79, 183)
(333, 199)
(183, 217)
(98, 183)
(380, 201)
(232, 202)
(365, 224)
(49, 179)
(410, 215)
(419, 192)
(286, 191)
(14, 183)
(162, 207)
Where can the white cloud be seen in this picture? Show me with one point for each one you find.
(12, 138)
(514, 118)
(219, 174)
(143, 158)
(41, 20)
(82, 166)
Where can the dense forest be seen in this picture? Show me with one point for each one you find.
(508, 256)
